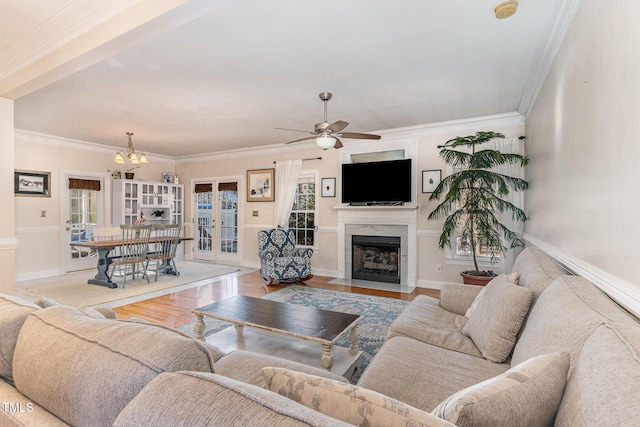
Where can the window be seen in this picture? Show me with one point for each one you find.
(462, 249)
(302, 220)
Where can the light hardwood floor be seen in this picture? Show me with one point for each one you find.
(175, 309)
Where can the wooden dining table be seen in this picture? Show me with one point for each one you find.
(103, 247)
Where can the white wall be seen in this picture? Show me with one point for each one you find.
(8, 242)
(584, 142)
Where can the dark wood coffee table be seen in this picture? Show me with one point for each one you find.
(307, 323)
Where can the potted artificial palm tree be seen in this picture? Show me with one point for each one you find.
(474, 196)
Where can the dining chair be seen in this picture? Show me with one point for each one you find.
(165, 251)
(133, 251)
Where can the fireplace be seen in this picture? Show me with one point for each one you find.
(375, 258)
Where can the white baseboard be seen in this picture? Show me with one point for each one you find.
(624, 293)
(429, 284)
(37, 274)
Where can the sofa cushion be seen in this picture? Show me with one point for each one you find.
(537, 270)
(497, 318)
(200, 399)
(346, 402)
(425, 320)
(18, 411)
(247, 367)
(423, 375)
(86, 370)
(526, 395)
(603, 387)
(13, 312)
(97, 312)
(564, 316)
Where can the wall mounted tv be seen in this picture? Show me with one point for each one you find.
(377, 183)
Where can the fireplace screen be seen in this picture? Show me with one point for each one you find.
(376, 258)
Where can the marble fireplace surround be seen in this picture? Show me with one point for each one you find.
(398, 221)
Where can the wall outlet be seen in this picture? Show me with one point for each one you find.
(438, 268)
(255, 213)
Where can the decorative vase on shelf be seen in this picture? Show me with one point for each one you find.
(128, 175)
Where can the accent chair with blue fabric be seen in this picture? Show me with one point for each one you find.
(280, 260)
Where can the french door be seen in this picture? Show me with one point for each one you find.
(216, 221)
(84, 209)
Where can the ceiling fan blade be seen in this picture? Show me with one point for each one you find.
(338, 144)
(301, 139)
(359, 135)
(337, 126)
(296, 130)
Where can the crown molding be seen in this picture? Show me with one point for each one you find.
(560, 17)
(496, 120)
(58, 141)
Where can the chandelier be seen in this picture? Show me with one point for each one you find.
(130, 152)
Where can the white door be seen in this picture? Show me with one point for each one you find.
(84, 209)
(217, 221)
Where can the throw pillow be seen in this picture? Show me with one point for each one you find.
(528, 394)
(498, 317)
(513, 277)
(344, 401)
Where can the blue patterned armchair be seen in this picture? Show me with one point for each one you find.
(280, 260)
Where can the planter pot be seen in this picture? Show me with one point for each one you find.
(128, 175)
(470, 279)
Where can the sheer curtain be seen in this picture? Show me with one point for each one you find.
(515, 146)
(287, 174)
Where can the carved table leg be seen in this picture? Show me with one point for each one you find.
(353, 337)
(200, 326)
(327, 356)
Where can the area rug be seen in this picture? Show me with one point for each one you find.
(73, 288)
(377, 315)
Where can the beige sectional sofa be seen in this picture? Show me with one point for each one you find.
(570, 355)
(428, 357)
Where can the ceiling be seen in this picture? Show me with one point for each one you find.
(204, 76)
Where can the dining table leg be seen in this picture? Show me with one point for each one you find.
(102, 277)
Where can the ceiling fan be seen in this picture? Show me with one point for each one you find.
(328, 135)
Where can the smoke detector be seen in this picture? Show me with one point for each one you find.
(506, 9)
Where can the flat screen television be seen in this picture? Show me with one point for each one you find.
(377, 183)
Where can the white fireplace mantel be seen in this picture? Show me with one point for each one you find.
(405, 215)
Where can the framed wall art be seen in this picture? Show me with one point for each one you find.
(260, 185)
(31, 183)
(430, 180)
(328, 187)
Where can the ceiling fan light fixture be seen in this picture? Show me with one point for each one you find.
(325, 141)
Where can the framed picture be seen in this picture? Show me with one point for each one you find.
(31, 183)
(167, 177)
(430, 180)
(260, 185)
(328, 187)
